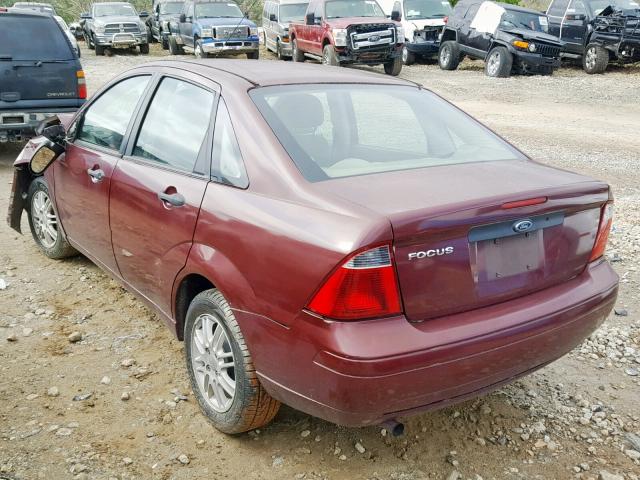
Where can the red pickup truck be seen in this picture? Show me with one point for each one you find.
(349, 31)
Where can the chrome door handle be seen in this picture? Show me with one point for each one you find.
(96, 175)
(173, 199)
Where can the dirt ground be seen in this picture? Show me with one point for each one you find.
(117, 403)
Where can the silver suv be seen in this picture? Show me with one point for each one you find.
(276, 17)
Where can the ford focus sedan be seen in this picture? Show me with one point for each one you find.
(346, 243)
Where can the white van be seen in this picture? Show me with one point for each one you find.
(276, 17)
(423, 22)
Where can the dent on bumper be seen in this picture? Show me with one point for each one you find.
(360, 373)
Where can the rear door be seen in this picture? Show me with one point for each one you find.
(38, 68)
(158, 186)
(574, 27)
(83, 175)
(556, 12)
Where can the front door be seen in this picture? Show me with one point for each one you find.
(82, 177)
(158, 186)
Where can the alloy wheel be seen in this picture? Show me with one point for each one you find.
(445, 55)
(44, 219)
(493, 63)
(213, 362)
(198, 52)
(590, 59)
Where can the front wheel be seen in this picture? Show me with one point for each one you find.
(44, 224)
(595, 59)
(393, 67)
(296, 54)
(87, 41)
(99, 49)
(174, 48)
(253, 55)
(198, 51)
(144, 48)
(165, 42)
(408, 58)
(449, 55)
(498, 63)
(220, 367)
(329, 56)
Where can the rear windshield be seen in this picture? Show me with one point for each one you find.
(333, 131)
(32, 38)
(353, 8)
(421, 9)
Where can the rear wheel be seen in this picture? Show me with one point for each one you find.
(394, 67)
(449, 55)
(43, 222)
(408, 58)
(329, 56)
(144, 48)
(595, 59)
(296, 55)
(498, 63)
(220, 367)
(253, 55)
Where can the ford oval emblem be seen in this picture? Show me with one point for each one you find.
(522, 226)
(374, 38)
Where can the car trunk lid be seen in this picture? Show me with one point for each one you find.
(458, 245)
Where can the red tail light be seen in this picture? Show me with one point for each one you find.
(82, 84)
(365, 286)
(606, 219)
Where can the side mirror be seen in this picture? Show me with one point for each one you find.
(396, 12)
(183, 18)
(85, 15)
(45, 156)
(272, 18)
(310, 19)
(143, 14)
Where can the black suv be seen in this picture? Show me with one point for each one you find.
(597, 31)
(509, 39)
(40, 74)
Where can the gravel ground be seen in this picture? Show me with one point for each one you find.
(93, 386)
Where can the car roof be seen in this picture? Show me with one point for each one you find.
(25, 12)
(270, 72)
(287, 2)
(112, 3)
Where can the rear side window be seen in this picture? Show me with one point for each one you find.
(333, 131)
(106, 120)
(176, 124)
(228, 165)
(32, 38)
(557, 8)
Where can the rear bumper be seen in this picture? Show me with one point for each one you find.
(23, 122)
(363, 373)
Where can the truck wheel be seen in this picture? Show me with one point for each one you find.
(498, 63)
(87, 41)
(253, 55)
(449, 55)
(99, 49)
(198, 51)
(393, 67)
(408, 58)
(296, 54)
(329, 56)
(150, 38)
(279, 51)
(144, 48)
(43, 222)
(595, 59)
(174, 48)
(222, 374)
(165, 42)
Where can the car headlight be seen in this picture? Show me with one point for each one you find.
(339, 37)
(253, 31)
(99, 28)
(207, 32)
(532, 47)
(400, 33)
(520, 44)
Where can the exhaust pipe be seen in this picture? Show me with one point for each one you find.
(394, 427)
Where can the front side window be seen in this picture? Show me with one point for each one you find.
(557, 8)
(348, 130)
(353, 8)
(228, 166)
(423, 9)
(175, 125)
(106, 120)
(218, 10)
(112, 10)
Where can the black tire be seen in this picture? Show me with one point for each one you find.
(595, 59)
(198, 52)
(174, 48)
(87, 41)
(408, 58)
(253, 55)
(394, 67)
(99, 49)
(58, 249)
(279, 51)
(329, 56)
(449, 55)
(144, 48)
(498, 63)
(165, 42)
(150, 38)
(251, 406)
(296, 55)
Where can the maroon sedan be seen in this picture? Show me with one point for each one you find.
(347, 243)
